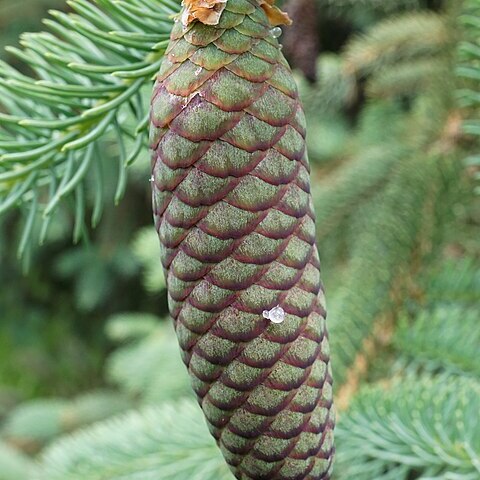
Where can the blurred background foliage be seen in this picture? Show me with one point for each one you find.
(390, 89)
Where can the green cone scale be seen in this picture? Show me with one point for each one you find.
(233, 210)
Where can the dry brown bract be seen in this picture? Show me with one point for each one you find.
(274, 14)
(205, 11)
(210, 11)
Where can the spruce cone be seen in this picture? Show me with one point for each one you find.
(232, 206)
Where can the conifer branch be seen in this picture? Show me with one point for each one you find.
(469, 70)
(446, 338)
(85, 85)
(381, 254)
(387, 5)
(15, 465)
(179, 447)
(402, 38)
(415, 428)
(129, 367)
(35, 423)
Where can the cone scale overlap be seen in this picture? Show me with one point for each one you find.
(232, 206)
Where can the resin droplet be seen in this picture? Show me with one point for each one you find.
(275, 315)
(276, 32)
(198, 71)
(152, 179)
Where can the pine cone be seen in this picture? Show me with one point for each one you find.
(232, 206)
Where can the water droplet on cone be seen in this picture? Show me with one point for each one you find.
(275, 315)
(276, 32)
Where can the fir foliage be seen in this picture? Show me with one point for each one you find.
(380, 257)
(170, 442)
(334, 89)
(368, 163)
(407, 79)
(147, 250)
(403, 38)
(88, 71)
(130, 326)
(455, 281)
(441, 334)
(425, 428)
(149, 368)
(14, 464)
(388, 5)
(37, 422)
(446, 338)
(469, 69)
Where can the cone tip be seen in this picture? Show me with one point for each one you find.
(209, 12)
